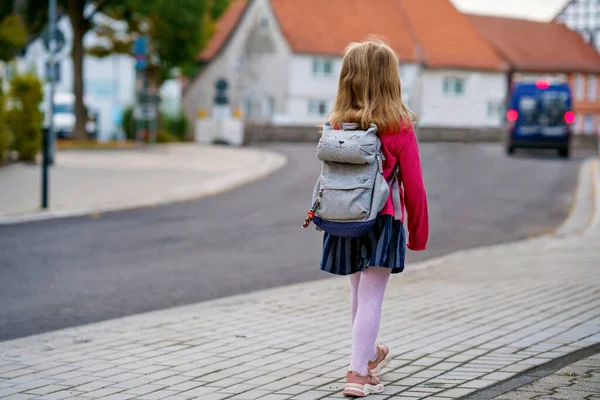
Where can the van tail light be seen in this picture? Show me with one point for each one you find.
(512, 115)
(570, 117)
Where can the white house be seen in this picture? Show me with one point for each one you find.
(109, 82)
(282, 60)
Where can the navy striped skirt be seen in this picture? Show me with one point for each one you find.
(384, 246)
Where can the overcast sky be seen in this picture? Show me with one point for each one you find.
(534, 9)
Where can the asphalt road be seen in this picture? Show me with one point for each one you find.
(63, 273)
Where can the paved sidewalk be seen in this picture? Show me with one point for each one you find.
(84, 182)
(579, 381)
(455, 325)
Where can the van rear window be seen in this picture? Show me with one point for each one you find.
(554, 107)
(528, 110)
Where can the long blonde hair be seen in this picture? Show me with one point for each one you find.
(369, 89)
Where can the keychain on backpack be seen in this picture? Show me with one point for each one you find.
(311, 213)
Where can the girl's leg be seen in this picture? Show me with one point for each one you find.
(354, 280)
(366, 325)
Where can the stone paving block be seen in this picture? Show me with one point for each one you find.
(183, 386)
(237, 389)
(63, 394)
(17, 396)
(311, 395)
(294, 390)
(277, 385)
(275, 397)
(7, 391)
(223, 383)
(120, 396)
(162, 394)
(47, 389)
(145, 389)
(251, 395)
(100, 393)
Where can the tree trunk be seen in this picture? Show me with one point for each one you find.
(80, 27)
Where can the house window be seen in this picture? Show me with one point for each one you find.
(579, 87)
(588, 124)
(493, 109)
(317, 107)
(322, 67)
(264, 23)
(454, 86)
(592, 87)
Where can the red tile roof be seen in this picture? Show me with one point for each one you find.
(447, 37)
(531, 46)
(328, 26)
(428, 31)
(223, 29)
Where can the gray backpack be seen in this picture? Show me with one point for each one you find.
(351, 190)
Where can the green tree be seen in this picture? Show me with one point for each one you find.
(177, 31)
(13, 34)
(81, 15)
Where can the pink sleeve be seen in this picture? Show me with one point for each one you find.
(414, 190)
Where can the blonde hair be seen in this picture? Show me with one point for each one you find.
(369, 90)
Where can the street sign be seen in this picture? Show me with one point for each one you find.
(221, 97)
(59, 39)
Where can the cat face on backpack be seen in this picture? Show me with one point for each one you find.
(350, 146)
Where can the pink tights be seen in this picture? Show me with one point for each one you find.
(368, 288)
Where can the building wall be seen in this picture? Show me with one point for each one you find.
(312, 93)
(583, 16)
(479, 104)
(255, 62)
(586, 103)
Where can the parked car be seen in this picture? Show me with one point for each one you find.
(540, 116)
(64, 117)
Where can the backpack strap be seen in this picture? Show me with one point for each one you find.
(395, 188)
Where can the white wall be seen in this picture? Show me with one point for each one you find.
(467, 110)
(261, 78)
(306, 86)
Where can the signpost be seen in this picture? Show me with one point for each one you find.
(48, 139)
(147, 99)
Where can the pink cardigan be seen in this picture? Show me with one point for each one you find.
(402, 148)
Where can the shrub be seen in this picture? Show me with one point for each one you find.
(128, 123)
(5, 136)
(24, 116)
(177, 125)
(165, 136)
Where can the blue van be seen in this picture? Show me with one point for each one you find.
(540, 116)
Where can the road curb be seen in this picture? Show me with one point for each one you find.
(272, 162)
(583, 211)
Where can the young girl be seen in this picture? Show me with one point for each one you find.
(370, 92)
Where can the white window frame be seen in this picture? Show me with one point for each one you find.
(592, 87)
(579, 87)
(588, 129)
(319, 67)
(451, 85)
(314, 107)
